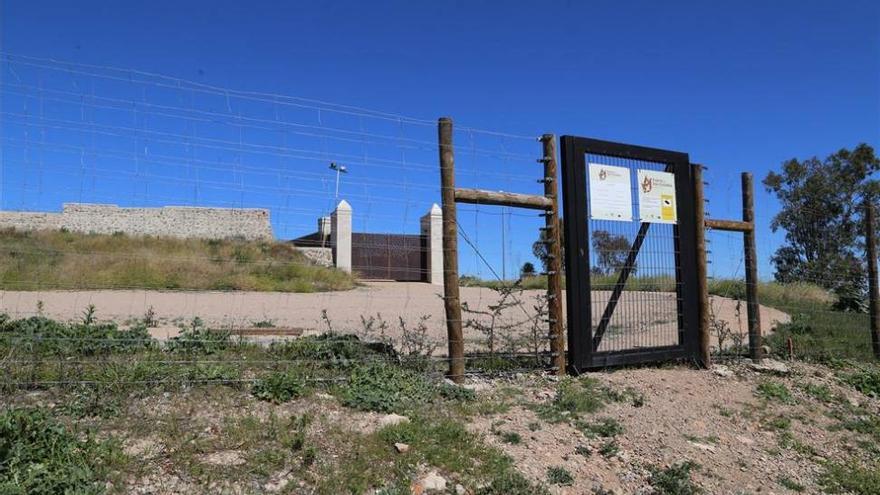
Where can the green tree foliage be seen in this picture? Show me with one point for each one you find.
(528, 269)
(822, 219)
(610, 250)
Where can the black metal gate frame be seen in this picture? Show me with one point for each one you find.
(583, 351)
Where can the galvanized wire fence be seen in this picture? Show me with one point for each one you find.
(814, 307)
(85, 292)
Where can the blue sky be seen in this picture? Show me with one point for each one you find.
(740, 87)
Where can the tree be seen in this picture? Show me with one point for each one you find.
(822, 218)
(528, 269)
(611, 251)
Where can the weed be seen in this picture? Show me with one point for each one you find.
(511, 437)
(279, 387)
(573, 397)
(41, 456)
(557, 475)
(851, 477)
(583, 450)
(385, 388)
(774, 391)
(609, 448)
(674, 480)
(196, 338)
(603, 427)
(866, 380)
(534, 426)
(457, 393)
(819, 392)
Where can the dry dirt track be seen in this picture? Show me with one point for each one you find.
(641, 319)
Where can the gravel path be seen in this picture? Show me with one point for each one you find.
(641, 319)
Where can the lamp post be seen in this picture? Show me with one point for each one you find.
(340, 169)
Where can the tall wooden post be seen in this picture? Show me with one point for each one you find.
(751, 259)
(554, 258)
(451, 298)
(873, 291)
(702, 269)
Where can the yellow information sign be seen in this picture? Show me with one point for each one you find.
(657, 197)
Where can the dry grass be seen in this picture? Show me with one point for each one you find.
(64, 260)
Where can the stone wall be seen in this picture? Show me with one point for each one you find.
(168, 221)
(322, 256)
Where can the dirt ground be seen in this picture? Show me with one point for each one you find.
(642, 319)
(742, 442)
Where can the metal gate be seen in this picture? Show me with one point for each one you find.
(630, 254)
(398, 257)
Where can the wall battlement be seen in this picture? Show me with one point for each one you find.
(167, 221)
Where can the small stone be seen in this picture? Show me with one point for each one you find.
(323, 396)
(460, 490)
(770, 366)
(433, 482)
(401, 447)
(392, 419)
(722, 371)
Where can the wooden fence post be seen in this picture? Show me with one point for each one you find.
(554, 259)
(873, 291)
(451, 298)
(702, 269)
(751, 259)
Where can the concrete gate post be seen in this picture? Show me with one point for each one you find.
(432, 229)
(340, 236)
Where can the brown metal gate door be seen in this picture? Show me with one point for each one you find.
(397, 257)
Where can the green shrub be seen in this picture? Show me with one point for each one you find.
(279, 387)
(39, 455)
(198, 339)
(603, 427)
(674, 480)
(777, 391)
(457, 393)
(557, 475)
(331, 350)
(609, 448)
(866, 380)
(39, 335)
(386, 388)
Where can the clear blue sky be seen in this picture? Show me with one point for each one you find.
(740, 87)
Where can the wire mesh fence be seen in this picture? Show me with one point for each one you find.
(160, 202)
(158, 231)
(817, 311)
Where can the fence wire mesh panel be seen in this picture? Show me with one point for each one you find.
(646, 314)
(631, 283)
(159, 230)
(812, 280)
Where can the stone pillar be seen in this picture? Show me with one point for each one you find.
(340, 236)
(324, 230)
(432, 229)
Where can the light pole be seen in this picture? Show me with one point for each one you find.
(340, 169)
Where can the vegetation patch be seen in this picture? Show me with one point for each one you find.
(557, 475)
(865, 379)
(851, 477)
(675, 479)
(39, 455)
(386, 388)
(279, 386)
(66, 260)
(775, 392)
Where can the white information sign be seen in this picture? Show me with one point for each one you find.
(657, 197)
(610, 193)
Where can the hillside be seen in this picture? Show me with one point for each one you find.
(55, 260)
